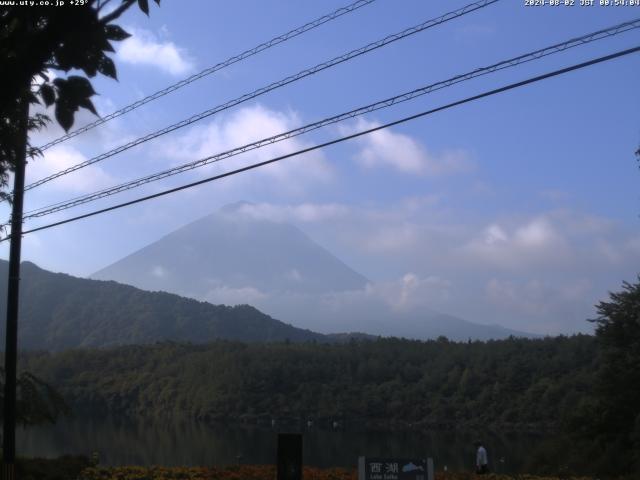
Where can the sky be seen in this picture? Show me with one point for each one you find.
(520, 209)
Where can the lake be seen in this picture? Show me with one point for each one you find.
(145, 442)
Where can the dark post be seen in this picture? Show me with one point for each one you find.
(13, 296)
(289, 456)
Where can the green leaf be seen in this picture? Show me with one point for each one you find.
(144, 6)
(64, 115)
(48, 94)
(80, 86)
(114, 32)
(73, 92)
(32, 98)
(88, 104)
(107, 67)
(107, 47)
(90, 66)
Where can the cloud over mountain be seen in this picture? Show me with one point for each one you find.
(248, 254)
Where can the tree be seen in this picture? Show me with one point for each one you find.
(37, 40)
(33, 41)
(37, 402)
(617, 384)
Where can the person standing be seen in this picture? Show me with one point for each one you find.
(482, 463)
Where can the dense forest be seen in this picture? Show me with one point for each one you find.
(389, 383)
(554, 386)
(581, 391)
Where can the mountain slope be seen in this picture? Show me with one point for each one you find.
(235, 257)
(229, 252)
(58, 311)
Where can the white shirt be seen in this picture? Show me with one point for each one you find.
(481, 456)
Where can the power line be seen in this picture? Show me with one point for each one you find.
(275, 85)
(342, 139)
(208, 71)
(537, 54)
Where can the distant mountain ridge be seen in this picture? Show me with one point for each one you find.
(236, 256)
(58, 311)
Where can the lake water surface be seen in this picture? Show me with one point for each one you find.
(144, 442)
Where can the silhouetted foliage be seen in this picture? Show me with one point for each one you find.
(36, 401)
(615, 420)
(35, 40)
(67, 467)
(602, 431)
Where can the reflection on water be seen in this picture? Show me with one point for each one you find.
(144, 442)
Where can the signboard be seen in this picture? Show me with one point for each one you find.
(289, 456)
(370, 468)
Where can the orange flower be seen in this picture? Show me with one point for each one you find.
(261, 472)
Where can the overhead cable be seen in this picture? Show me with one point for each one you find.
(341, 139)
(209, 70)
(388, 102)
(273, 86)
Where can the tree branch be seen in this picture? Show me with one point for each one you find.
(102, 4)
(126, 4)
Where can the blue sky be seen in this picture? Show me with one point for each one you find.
(520, 209)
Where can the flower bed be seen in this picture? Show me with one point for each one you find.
(264, 472)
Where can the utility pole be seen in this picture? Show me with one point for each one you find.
(13, 297)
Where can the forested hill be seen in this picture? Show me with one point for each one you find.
(58, 311)
(515, 383)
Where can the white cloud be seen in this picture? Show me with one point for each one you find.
(32, 242)
(107, 136)
(304, 212)
(378, 231)
(38, 80)
(409, 292)
(415, 233)
(392, 149)
(415, 291)
(583, 224)
(386, 148)
(159, 271)
(549, 304)
(377, 308)
(245, 126)
(235, 296)
(536, 241)
(418, 203)
(144, 48)
(293, 274)
(541, 272)
(632, 245)
(494, 234)
(536, 234)
(61, 157)
(391, 238)
(529, 298)
(482, 189)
